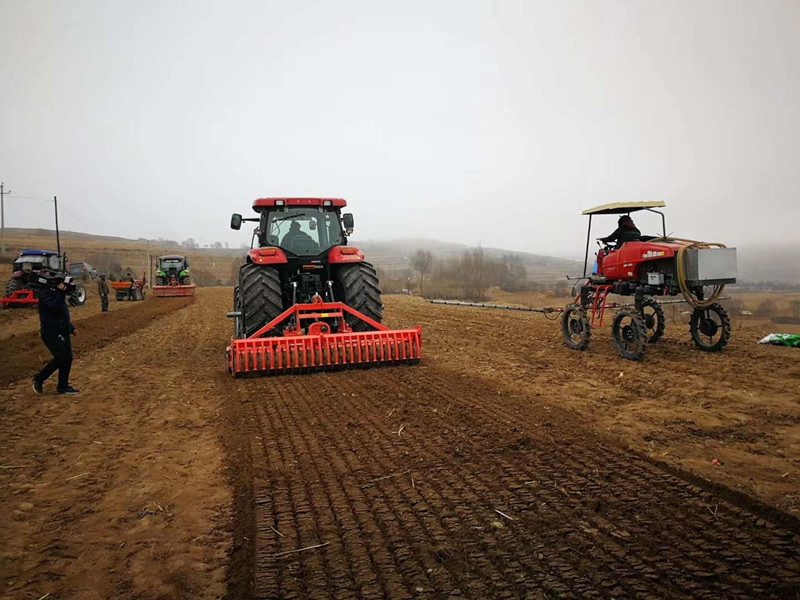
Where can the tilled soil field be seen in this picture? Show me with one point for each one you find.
(490, 470)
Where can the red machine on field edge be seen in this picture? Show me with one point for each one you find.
(647, 268)
(305, 300)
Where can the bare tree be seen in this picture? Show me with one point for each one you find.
(766, 308)
(422, 261)
(795, 306)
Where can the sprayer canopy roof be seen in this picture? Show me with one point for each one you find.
(621, 208)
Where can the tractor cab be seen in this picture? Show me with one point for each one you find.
(30, 261)
(307, 239)
(300, 227)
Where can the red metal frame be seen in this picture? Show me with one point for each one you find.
(316, 348)
(20, 298)
(603, 290)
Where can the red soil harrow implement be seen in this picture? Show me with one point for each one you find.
(20, 298)
(318, 337)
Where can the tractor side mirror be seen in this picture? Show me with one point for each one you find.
(236, 221)
(347, 221)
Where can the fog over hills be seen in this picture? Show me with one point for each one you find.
(756, 263)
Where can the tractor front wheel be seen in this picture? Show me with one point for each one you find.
(654, 320)
(710, 328)
(259, 296)
(77, 297)
(359, 289)
(630, 335)
(575, 327)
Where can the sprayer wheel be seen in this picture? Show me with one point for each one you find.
(261, 298)
(654, 320)
(359, 289)
(710, 328)
(630, 335)
(575, 327)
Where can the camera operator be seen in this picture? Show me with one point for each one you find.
(55, 331)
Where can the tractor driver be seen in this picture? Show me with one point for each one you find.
(626, 231)
(296, 236)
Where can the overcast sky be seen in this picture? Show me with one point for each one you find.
(466, 121)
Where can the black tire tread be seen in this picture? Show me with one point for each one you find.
(638, 324)
(261, 296)
(661, 319)
(359, 289)
(74, 297)
(726, 329)
(12, 286)
(583, 344)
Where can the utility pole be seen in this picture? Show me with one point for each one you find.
(3, 219)
(58, 238)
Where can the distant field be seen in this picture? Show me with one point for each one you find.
(210, 266)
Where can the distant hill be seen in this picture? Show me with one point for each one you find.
(779, 264)
(396, 254)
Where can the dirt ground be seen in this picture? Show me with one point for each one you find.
(503, 466)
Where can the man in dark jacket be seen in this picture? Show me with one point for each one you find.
(102, 289)
(626, 232)
(55, 331)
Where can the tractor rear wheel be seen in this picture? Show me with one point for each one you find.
(654, 320)
(185, 280)
(710, 328)
(630, 335)
(12, 286)
(575, 327)
(78, 296)
(259, 296)
(359, 289)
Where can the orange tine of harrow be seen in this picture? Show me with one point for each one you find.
(321, 352)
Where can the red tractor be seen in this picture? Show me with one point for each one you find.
(648, 268)
(305, 299)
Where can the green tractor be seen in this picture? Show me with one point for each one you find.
(173, 277)
(173, 269)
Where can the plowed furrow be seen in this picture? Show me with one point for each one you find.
(468, 487)
(585, 521)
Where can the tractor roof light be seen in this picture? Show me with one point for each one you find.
(327, 203)
(279, 203)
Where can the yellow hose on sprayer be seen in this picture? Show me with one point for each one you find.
(691, 300)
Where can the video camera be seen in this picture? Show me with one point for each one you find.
(50, 280)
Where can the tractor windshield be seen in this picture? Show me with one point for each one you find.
(171, 263)
(34, 262)
(304, 231)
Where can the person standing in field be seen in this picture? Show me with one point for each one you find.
(102, 289)
(56, 330)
